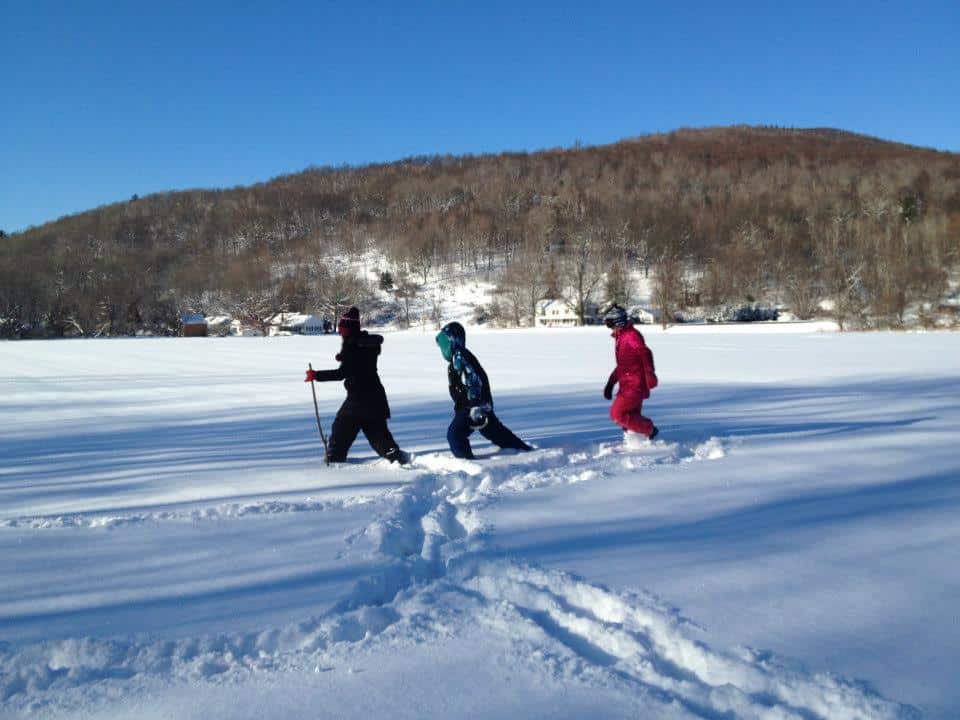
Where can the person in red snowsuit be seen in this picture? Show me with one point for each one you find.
(634, 372)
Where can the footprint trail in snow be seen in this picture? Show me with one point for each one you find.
(431, 535)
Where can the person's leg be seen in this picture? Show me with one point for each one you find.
(342, 435)
(381, 440)
(458, 435)
(625, 412)
(499, 434)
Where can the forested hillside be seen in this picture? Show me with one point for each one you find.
(714, 217)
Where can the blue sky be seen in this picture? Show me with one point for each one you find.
(101, 100)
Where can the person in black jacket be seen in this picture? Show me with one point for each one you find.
(472, 400)
(366, 405)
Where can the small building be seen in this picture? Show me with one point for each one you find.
(292, 323)
(950, 307)
(559, 313)
(644, 315)
(193, 325)
(219, 325)
(240, 329)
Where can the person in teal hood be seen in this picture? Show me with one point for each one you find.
(472, 399)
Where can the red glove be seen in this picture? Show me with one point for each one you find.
(311, 375)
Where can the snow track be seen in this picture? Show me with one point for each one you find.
(542, 471)
(438, 579)
(222, 511)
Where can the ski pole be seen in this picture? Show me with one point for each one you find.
(316, 411)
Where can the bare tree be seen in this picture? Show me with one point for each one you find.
(405, 291)
(841, 269)
(511, 295)
(582, 270)
(337, 291)
(424, 257)
(802, 291)
(668, 284)
(618, 287)
(437, 298)
(255, 307)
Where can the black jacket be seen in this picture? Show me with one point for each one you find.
(468, 381)
(366, 397)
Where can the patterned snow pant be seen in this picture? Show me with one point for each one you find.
(459, 432)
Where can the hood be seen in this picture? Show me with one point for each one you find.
(450, 339)
(446, 347)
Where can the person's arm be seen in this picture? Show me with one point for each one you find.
(347, 362)
(454, 385)
(642, 359)
(608, 389)
(649, 372)
(327, 375)
(471, 379)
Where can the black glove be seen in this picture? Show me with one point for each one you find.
(478, 417)
(608, 391)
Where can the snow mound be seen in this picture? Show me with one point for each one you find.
(638, 451)
(712, 449)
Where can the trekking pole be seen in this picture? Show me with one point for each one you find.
(316, 410)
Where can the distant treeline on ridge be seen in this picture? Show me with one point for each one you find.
(713, 217)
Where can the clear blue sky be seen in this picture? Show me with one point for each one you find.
(101, 100)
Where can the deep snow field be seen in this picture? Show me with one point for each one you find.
(172, 546)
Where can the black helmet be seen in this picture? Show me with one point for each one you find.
(616, 317)
(455, 331)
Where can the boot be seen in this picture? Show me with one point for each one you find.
(397, 455)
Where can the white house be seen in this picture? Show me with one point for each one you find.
(558, 313)
(292, 323)
(239, 329)
(219, 325)
(644, 315)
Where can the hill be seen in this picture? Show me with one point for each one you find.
(806, 218)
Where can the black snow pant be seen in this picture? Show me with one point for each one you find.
(346, 425)
(495, 431)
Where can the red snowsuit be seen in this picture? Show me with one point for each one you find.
(636, 375)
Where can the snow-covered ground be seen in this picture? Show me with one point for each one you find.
(171, 544)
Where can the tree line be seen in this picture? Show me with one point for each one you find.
(714, 217)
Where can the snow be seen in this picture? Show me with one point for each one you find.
(172, 545)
